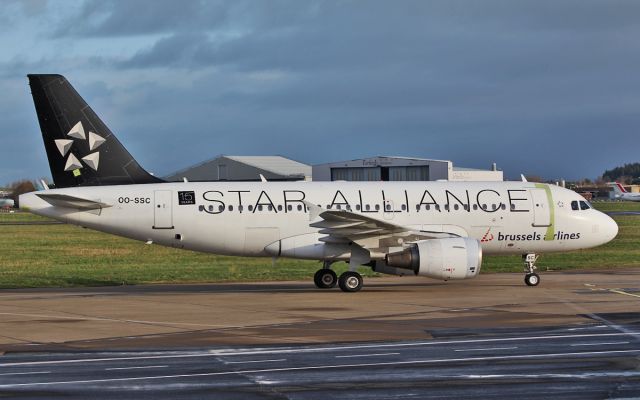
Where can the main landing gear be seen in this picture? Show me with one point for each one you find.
(530, 278)
(326, 278)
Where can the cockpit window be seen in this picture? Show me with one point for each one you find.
(584, 205)
(580, 205)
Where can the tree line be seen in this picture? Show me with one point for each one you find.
(627, 174)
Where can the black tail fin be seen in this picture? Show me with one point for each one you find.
(82, 151)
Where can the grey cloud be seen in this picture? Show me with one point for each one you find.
(123, 18)
(538, 86)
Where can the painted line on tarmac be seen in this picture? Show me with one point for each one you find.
(226, 353)
(26, 373)
(597, 344)
(165, 324)
(488, 349)
(623, 292)
(254, 361)
(327, 367)
(142, 367)
(597, 317)
(367, 355)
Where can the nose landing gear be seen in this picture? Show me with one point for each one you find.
(530, 278)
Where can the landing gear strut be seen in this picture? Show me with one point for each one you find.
(530, 278)
(325, 278)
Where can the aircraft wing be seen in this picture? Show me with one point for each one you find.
(342, 226)
(63, 200)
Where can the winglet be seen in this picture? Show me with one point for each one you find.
(262, 178)
(523, 178)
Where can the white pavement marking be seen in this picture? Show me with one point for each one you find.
(26, 373)
(587, 328)
(324, 367)
(367, 355)
(143, 367)
(224, 353)
(619, 291)
(597, 317)
(254, 361)
(598, 344)
(489, 349)
(168, 324)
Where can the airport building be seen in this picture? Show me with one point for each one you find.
(277, 168)
(401, 169)
(245, 168)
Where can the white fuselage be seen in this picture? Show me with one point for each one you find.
(244, 218)
(628, 196)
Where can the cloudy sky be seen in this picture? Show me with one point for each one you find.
(548, 88)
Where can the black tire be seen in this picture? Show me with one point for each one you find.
(532, 279)
(350, 281)
(325, 278)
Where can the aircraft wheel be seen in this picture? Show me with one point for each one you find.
(325, 278)
(532, 279)
(350, 281)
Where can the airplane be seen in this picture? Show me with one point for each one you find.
(6, 203)
(622, 194)
(436, 229)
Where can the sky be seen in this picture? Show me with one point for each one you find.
(546, 88)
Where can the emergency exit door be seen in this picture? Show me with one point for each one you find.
(163, 210)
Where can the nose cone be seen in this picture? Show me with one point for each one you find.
(608, 228)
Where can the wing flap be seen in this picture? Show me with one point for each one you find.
(343, 226)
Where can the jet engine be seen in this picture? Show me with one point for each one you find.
(449, 258)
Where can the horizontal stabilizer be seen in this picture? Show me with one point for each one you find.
(63, 200)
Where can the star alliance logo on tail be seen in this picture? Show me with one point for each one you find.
(92, 160)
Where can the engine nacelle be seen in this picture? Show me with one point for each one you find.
(449, 258)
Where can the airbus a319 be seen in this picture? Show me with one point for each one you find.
(435, 229)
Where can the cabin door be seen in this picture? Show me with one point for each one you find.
(162, 210)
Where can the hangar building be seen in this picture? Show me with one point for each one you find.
(244, 168)
(401, 169)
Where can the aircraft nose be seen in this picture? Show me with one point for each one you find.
(608, 228)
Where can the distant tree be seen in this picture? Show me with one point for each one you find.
(627, 174)
(20, 187)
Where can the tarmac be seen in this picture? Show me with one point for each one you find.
(577, 335)
(387, 309)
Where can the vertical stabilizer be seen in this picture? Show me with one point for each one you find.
(618, 189)
(81, 149)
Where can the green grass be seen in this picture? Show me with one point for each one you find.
(18, 216)
(608, 206)
(66, 255)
